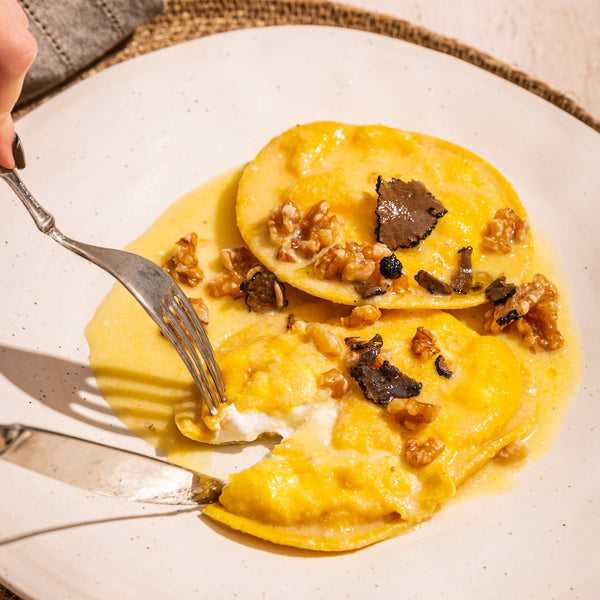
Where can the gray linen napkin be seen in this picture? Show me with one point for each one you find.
(71, 34)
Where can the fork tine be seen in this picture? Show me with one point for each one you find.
(200, 338)
(181, 342)
(188, 344)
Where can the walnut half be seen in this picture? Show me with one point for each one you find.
(334, 381)
(361, 316)
(351, 262)
(301, 236)
(412, 413)
(183, 262)
(533, 308)
(238, 265)
(423, 344)
(420, 454)
(504, 230)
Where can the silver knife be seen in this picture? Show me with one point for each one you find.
(103, 469)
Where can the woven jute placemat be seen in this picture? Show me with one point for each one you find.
(190, 19)
(186, 20)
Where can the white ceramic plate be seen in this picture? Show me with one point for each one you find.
(110, 154)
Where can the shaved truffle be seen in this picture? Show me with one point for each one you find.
(369, 351)
(390, 267)
(356, 344)
(432, 284)
(406, 213)
(382, 384)
(462, 280)
(498, 292)
(442, 368)
(380, 381)
(509, 317)
(264, 292)
(366, 289)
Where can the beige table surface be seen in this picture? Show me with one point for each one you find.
(556, 41)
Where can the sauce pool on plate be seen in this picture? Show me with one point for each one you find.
(374, 409)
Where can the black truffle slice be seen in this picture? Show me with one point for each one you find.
(498, 292)
(366, 289)
(380, 383)
(442, 368)
(369, 351)
(432, 284)
(356, 344)
(406, 213)
(384, 383)
(462, 281)
(264, 292)
(509, 317)
(390, 267)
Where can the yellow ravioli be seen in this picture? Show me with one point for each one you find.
(340, 164)
(340, 480)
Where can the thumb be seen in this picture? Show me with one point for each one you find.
(7, 135)
(18, 49)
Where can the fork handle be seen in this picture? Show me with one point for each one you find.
(42, 218)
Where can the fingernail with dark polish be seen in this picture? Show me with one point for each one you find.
(18, 153)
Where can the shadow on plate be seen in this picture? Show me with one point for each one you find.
(62, 385)
(49, 530)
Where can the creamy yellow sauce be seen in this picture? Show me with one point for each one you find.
(145, 383)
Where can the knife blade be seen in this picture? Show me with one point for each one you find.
(104, 469)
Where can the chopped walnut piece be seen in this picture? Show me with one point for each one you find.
(411, 412)
(201, 309)
(352, 262)
(283, 220)
(513, 452)
(423, 343)
(420, 454)
(504, 230)
(324, 340)
(183, 262)
(362, 316)
(534, 310)
(539, 326)
(264, 291)
(301, 236)
(334, 381)
(238, 264)
(297, 325)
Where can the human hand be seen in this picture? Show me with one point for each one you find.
(18, 49)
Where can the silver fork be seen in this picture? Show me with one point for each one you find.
(154, 289)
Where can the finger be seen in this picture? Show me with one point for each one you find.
(11, 9)
(18, 49)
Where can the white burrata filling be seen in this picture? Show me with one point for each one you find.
(247, 426)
